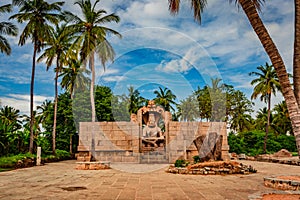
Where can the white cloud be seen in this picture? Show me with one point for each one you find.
(22, 102)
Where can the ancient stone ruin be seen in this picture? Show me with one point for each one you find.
(152, 137)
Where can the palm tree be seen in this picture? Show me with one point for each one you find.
(39, 15)
(58, 49)
(10, 116)
(188, 109)
(204, 102)
(73, 77)
(6, 28)
(251, 9)
(265, 85)
(135, 100)
(91, 37)
(9, 124)
(165, 97)
(296, 61)
(262, 119)
(281, 120)
(240, 109)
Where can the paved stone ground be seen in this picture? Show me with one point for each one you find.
(62, 181)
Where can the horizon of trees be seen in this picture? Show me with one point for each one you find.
(238, 111)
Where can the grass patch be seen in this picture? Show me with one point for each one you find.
(294, 153)
(28, 160)
(10, 161)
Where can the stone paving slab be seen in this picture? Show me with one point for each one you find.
(62, 181)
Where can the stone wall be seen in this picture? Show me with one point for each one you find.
(114, 141)
(119, 141)
(182, 134)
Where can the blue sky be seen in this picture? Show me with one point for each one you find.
(158, 49)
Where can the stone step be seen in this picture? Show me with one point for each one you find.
(154, 159)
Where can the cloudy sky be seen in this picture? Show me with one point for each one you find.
(158, 49)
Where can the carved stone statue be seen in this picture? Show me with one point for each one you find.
(152, 135)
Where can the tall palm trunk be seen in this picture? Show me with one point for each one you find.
(31, 98)
(55, 107)
(296, 66)
(92, 67)
(278, 64)
(268, 123)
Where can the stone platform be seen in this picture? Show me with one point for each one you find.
(134, 181)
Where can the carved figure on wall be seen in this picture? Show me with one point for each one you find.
(152, 134)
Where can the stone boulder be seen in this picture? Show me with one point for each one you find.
(282, 153)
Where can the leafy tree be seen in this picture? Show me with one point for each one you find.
(39, 15)
(120, 104)
(103, 99)
(204, 103)
(66, 129)
(188, 109)
(165, 98)
(266, 84)
(6, 28)
(91, 38)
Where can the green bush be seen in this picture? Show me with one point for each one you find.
(10, 161)
(181, 163)
(62, 154)
(252, 142)
(196, 159)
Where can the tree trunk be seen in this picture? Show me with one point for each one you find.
(55, 108)
(268, 123)
(71, 144)
(92, 67)
(278, 64)
(296, 64)
(31, 99)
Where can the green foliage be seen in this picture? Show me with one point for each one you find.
(251, 143)
(196, 159)
(103, 99)
(181, 163)
(10, 161)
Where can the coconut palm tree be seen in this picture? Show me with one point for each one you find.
(91, 38)
(73, 77)
(188, 109)
(240, 109)
(38, 14)
(251, 9)
(165, 97)
(266, 84)
(58, 46)
(135, 101)
(296, 61)
(281, 120)
(6, 28)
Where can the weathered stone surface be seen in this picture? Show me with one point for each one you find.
(209, 147)
(213, 168)
(282, 153)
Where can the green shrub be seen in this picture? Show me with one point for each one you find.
(62, 154)
(252, 142)
(10, 161)
(196, 159)
(181, 163)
